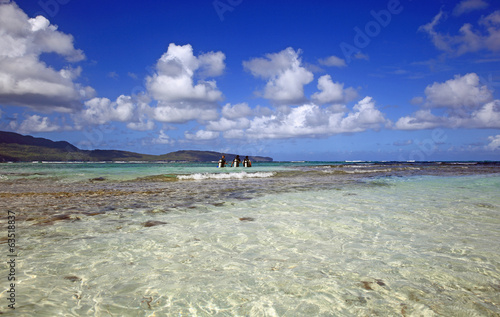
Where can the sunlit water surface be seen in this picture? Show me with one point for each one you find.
(276, 240)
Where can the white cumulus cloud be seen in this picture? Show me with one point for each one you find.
(331, 92)
(179, 98)
(469, 5)
(487, 116)
(175, 74)
(494, 142)
(163, 138)
(27, 81)
(236, 111)
(467, 104)
(143, 124)
(201, 135)
(102, 110)
(307, 120)
(420, 120)
(458, 93)
(184, 112)
(224, 124)
(333, 61)
(285, 76)
(34, 124)
(365, 116)
(484, 36)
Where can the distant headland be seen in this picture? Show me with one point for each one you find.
(15, 147)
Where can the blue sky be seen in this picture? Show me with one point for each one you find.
(294, 80)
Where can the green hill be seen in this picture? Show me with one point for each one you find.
(24, 148)
(11, 137)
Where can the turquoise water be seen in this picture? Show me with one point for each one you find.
(74, 172)
(279, 239)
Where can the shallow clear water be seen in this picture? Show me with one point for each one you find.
(298, 240)
(74, 172)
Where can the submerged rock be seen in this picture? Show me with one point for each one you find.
(72, 278)
(380, 282)
(368, 284)
(94, 213)
(53, 219)
(152, 223)
(486, 205)
(247, 219)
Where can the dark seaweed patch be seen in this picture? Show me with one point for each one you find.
(152, 223)
(485, 205)
(72, 278)
(368, 285)
(247, 219)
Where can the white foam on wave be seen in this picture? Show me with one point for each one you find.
(240, 175)
(355, 171)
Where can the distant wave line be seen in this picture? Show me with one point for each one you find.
(241, 175)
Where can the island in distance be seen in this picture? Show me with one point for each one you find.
(15, 147)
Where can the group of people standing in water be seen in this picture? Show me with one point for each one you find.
(236, 162)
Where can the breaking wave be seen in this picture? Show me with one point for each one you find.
(241, 175)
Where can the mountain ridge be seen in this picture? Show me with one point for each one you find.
(15, 147)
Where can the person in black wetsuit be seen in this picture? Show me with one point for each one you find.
(236, 161)
(222, 161)
(246, 162)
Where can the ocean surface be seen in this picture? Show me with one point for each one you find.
(277, 239)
